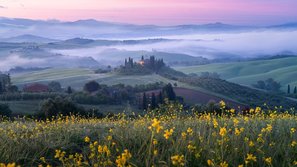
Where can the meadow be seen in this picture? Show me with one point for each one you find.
(77, 77)
(168, 136)
(281, 69)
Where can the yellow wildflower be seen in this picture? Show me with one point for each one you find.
(210, 163)
(250, 157)
(168, 133)
(190, 131)
(223, 164)
(87, 139)
(268, 160)
(223, 131)
(215, 123)
(178, 160)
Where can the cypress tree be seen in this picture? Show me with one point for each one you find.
(1, 88)
(169, 92)
(154, 103)
(160, 98)
(69, 90)
(289, 89)
(144, 101)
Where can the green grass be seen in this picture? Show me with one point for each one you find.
(282, 70)
(28, 107)
(23, 107)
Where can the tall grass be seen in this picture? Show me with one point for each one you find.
(171, 139)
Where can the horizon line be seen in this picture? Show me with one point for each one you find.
(129, 23)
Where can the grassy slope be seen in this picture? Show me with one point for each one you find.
(282, 70)
(78, 77)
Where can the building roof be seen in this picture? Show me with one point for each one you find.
(36, 87)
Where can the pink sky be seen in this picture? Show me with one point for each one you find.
(162, 12)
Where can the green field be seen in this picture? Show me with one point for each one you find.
(28, 107)
(282, 70)
(77, 77)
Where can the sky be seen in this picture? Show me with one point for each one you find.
(158, 12)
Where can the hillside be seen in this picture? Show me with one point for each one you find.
(282, 70)
(77, 77)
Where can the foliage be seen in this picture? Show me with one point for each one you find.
(245, 95)
(29, 96)
(5, 110)
(55, 86)
(63, 106)
(91, 86)
(269, 85)
(209, 75)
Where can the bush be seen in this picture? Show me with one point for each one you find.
(5, 110)
(91, 86)
(64, 106)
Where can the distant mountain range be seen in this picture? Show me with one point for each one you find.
(54, 29)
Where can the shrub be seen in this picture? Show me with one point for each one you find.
(64, 106)
(91, 86)
(5, 110)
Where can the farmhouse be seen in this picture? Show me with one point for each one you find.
(36, 87)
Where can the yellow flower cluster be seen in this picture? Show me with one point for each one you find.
(8, 165)
(168, 133)
(178, 160)
(122, 160)
(156, 125)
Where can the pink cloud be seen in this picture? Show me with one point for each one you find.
(157, 11)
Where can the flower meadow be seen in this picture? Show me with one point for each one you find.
(170, 137)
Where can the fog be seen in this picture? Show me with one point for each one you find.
(15, 60)
(219, 45)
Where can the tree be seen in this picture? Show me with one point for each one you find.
(64, 106)
(54, 86)
(160, 98)
(1, 88)
(269, 85)
(144, 101)
(260, 85)
(91, 86)
(69, 90)
(154, 103)
(272, 85)
(13, 88)
(289, 89)
(295, 90)
(169, 92)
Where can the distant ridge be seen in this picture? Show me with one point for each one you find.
(28, 38)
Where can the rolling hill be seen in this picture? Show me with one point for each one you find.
(282, 70)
